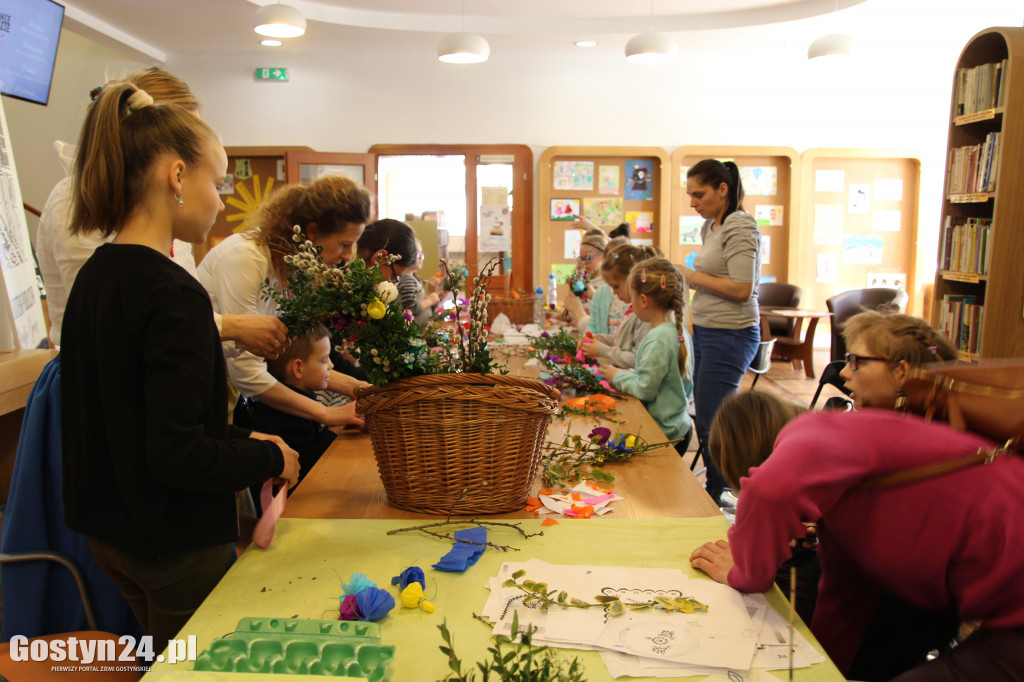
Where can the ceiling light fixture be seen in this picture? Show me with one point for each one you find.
(271, 42)
(586, 43)
(463, 48)
(651, 47)
(279, 21)
(831, 45)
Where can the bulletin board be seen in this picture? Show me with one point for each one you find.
(608, 185)
(859, 218)
(254, 172)
(770, 177)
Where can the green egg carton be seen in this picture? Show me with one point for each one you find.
(294, 646)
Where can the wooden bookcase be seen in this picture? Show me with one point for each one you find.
(874, 239)
(552, 232)
(783, 192)
(1001, 291)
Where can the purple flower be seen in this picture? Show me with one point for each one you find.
(339, 322)
(349, 610)
(544, 335)
(407, 315)
(600, 434)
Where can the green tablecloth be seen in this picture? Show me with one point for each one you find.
(299, 576)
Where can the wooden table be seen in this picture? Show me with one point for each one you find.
(794, 348)
(345, 484)
(299, 574)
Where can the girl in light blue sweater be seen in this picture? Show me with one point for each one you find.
(662, 379)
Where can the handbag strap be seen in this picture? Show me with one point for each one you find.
(943, 381)
(926, 471)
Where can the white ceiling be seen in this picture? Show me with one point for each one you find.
(160, 28)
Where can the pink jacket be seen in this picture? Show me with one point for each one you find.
(954, 541)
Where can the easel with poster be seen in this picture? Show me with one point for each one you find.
(22, 322)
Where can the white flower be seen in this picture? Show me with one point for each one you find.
(387, 292)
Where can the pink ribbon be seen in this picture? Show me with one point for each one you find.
(273, 507)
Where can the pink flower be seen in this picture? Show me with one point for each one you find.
(579, 355)
(605, 383)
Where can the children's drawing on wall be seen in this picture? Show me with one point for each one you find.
(689, 229)
(828, 224)
(608, 182)
(243, 169)
(829, 180)
(766, 249)
(565, 209)
(760, 180)
(860, 198)
(603, 212)
(828, 267)
(228, 185)
(495, 228)
(862, 248)
(887, 220)
(571, 247)
(640, 221)
(639, 180)
(889, 189)
(642, 242)
(768, 216)
(887, 280)
(574, 175)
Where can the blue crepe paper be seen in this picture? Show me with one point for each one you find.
(463, 555)
(413, 574)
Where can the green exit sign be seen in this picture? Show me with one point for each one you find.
(271, 74)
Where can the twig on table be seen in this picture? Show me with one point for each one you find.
(425, 528)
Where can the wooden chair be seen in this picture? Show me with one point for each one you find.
(42, 671)
(847, 304)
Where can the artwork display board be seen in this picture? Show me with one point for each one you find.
(859, 216)
(609, 185)
(253, 173)
(770, 177)
(978, 300)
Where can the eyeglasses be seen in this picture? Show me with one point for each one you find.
(854, 360)
(587, 259)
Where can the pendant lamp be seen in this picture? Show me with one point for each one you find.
(651, 47)
(831, 45)
(279, 21)
(463, 48)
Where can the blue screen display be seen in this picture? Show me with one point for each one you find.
(29, 32)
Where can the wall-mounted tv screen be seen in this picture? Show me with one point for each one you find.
(29, 32)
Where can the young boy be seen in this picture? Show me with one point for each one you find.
(304, 367)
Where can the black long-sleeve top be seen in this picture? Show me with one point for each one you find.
(149, 466)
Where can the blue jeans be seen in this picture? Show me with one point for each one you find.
(721, 357)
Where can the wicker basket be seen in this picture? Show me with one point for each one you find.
(519, 310)
(443, 437)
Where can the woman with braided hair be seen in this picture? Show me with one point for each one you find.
(662, 379)
(884, 347)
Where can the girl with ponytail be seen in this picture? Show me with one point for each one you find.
(726, 323)
(150, 465)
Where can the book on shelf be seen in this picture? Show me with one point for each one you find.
(974, 168)
(964, 245)
(979, 88)
(961, 321)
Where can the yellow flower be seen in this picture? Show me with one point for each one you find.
(630, 441)
(376, 310)
(412, 596)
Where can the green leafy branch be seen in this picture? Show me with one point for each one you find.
(538, 594)
(511, 661)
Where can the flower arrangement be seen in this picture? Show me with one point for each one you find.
(567, 366)
(578, 282)
(575, 458)
(365, 316)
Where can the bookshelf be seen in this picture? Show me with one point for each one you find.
(979, 290)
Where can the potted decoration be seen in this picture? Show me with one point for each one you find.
(449, 433)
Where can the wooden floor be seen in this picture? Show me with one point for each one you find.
(786, 382)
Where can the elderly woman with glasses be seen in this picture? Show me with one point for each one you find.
(330, 212)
